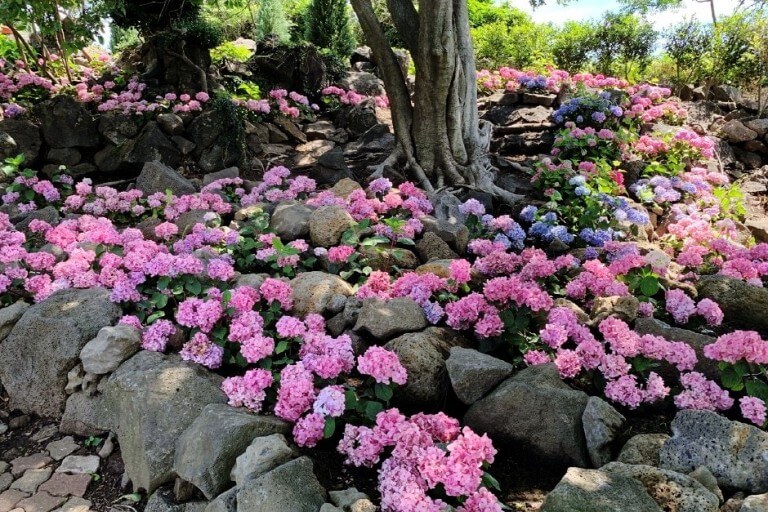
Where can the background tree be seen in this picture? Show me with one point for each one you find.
(572, 46)
(271, 20)
(327, 26)
(686, 44)
(623, 42)
(505, 36)
(57, 26)
(439, 138)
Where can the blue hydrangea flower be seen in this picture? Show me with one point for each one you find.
(581, 191)
(577, 180)
(517, 236)
(502, 239)
(528, 213)
(541, 230)
(550, 217)
(637, 216)
(590, 253)
(561, 233)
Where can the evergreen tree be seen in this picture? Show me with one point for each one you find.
(328, 26)
(272, 20)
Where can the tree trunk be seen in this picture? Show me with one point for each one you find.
(440, 138)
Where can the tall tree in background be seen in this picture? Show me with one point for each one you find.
(328, 26)
(440, 139)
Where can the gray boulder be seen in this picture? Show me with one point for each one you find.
(589, 490)
(206, 451)
(346, 498)
(46, 343)
(118, 128)
(535, 410)
(735, 132)
(150, 400)
(423, 355)
(736, 453)
(327, 224)
(65, 123)
(385, 319)
(206, 128)
(111, 346)
(454, 232)
(149, 146)
(8, 146)
(602, 424)
(171, 123)
(158, 177)
(743, 304)
(755, 503)
(162, 501)
(292, 487)
(48, 214)
(670, 490)
(263, 455)
(228, 173)
(224, 502)
(64, 156)
(84, 415)
(727, 93)
(359, 118)
(473, 373)
(760, 126)
(26, 139)
(9, 316)
(643, 449)
(705, 477)
(218, 156)
(432, 247)
(290, 220)
(364, 83)
(314, 291)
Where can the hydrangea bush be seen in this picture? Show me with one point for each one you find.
(521, 291)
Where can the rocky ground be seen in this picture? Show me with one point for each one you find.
(44, 470)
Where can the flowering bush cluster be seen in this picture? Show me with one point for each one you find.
(128, 96)
(335, 96)
(425, 451)
(516, 292)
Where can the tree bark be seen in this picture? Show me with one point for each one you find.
(440, 138)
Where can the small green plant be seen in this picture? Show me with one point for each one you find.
(230, 51)
(93, 441)
(12, 165)
(248, 91)
(731, 201)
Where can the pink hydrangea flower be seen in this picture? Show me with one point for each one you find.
(383, 365)
(199, 349)
(309, 430)
(680, 305)
(753, 409)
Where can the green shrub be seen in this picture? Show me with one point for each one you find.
(328, 26)
(272, 21)
(231, 52)
(572, 46)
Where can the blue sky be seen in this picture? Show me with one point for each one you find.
(590, 9)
